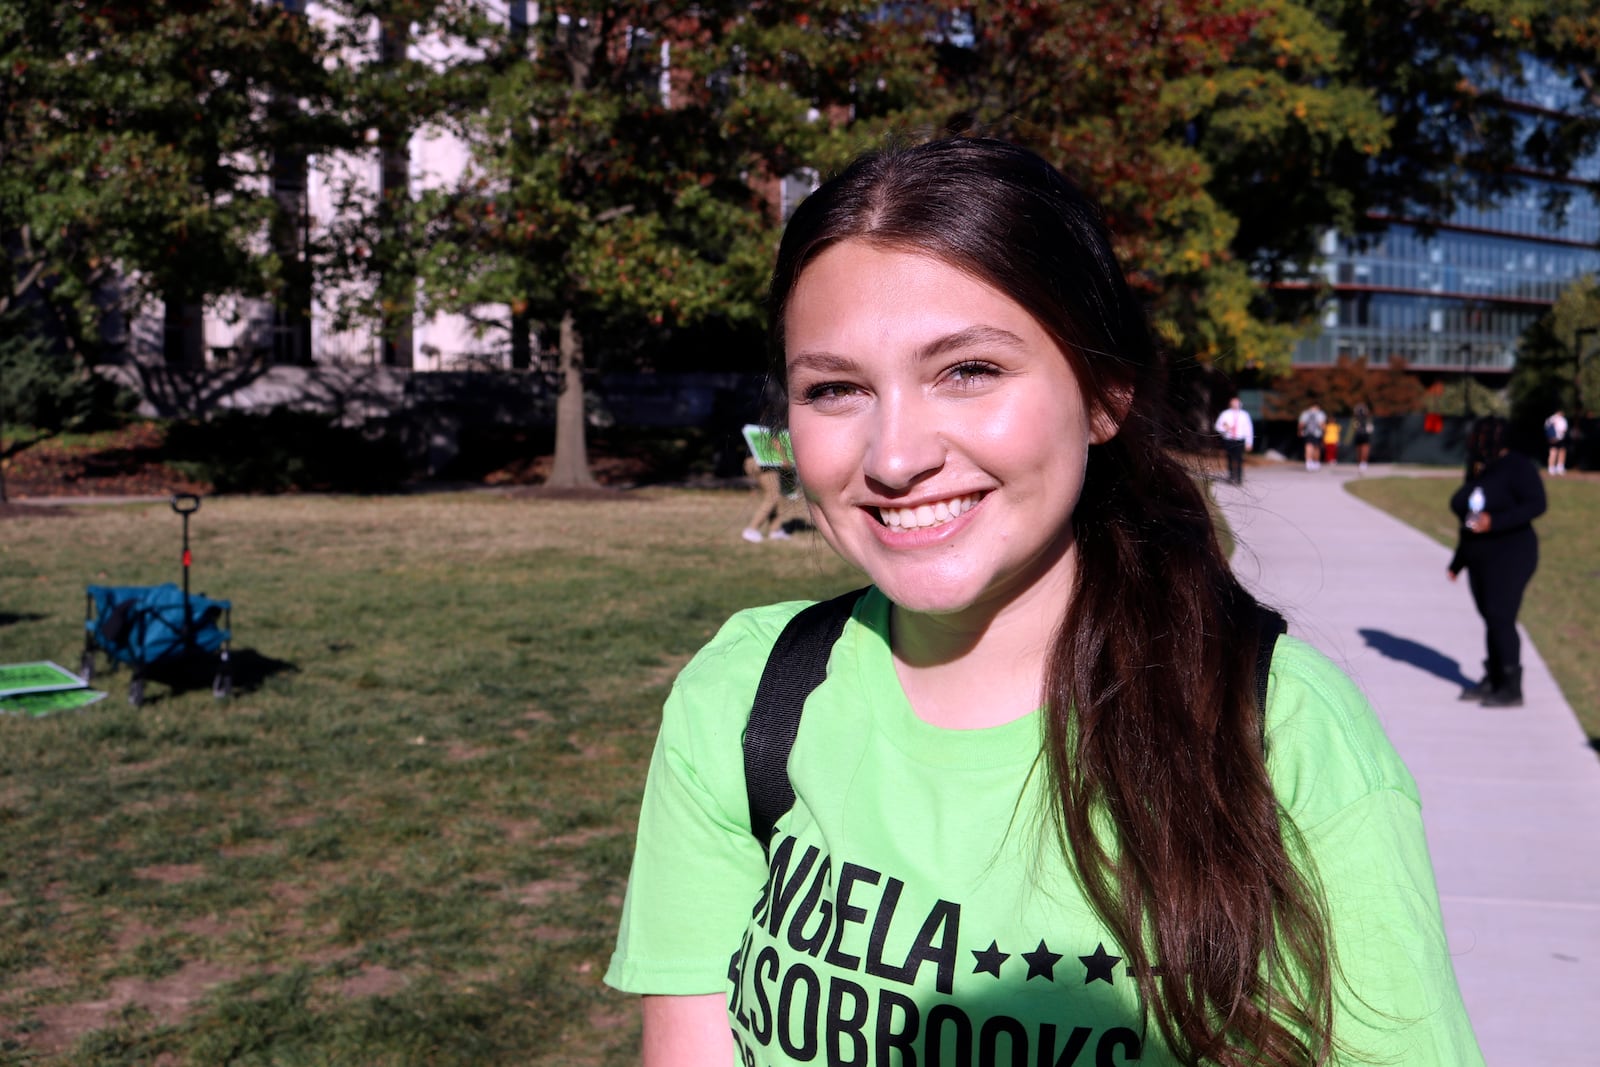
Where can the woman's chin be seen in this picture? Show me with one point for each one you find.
(928, 597)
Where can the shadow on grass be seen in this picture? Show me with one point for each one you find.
(9, 619)
(1417, 655)
(189, 674)
(251, 668)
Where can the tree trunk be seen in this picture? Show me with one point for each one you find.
(3, 497)
(570, 467)
(521, 341)
(291, 239)
(397, 284)
(183, 335)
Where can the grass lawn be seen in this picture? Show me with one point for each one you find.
(405, 839)
(1562, 607)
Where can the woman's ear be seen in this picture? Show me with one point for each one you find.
(1107, 418)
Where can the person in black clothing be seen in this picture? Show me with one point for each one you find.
(1499, 551)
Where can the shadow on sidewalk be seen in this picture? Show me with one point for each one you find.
(1417, 655)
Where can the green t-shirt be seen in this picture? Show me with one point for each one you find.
(916, 908)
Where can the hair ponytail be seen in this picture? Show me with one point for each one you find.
(1153, 721)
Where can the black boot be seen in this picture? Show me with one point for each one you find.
(1490, 683)
(1509, 693)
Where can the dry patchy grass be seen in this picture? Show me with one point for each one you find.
(406, 838)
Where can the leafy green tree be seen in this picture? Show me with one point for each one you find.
(44, 390)
(1226, 137)
(1445, 76)
(624, 154)
(1159, 108)
(405, 67)
(1464, 396)
(136, 150)
(1439, 71)
(625, 151)
(1558, 359)
(27, 370)
(1439, 76)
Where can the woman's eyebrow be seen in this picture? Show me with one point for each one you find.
(821, 363)
(971, 337)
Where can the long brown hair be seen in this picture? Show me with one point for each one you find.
(1149, 688)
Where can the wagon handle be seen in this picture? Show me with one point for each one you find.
(186, 504)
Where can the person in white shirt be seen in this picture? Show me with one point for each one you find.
(1555, 435)
(1238, 437)
(1311, 423)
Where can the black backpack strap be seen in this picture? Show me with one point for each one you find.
(796, 665)
(1269, 627)
(799, 661)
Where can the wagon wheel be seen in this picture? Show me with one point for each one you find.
(136, 692)
(222, 684)
(86, 666)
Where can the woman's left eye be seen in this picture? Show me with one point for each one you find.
(971, 372)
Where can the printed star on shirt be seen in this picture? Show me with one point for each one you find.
(1099, 965)
(990, 959)
(1041, 963)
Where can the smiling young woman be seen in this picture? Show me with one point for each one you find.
(942, 432)
(1036, 803)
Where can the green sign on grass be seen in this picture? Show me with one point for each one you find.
(47, 703)
(41, 677)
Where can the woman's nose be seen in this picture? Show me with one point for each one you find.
(907, 444)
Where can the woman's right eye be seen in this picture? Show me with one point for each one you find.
(825, 391)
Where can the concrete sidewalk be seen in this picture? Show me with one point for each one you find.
(1511, 797)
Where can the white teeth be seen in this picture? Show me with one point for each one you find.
(928, 514)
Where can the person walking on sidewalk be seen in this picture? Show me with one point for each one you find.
(1361, 434)
(1330, 442)
(770, 458)
(1555, 435)
(1238, 437)
(1497, 503)
(1311, 423)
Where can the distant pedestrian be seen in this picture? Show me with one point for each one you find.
(1311, 423)
(1361, 435)
(1238, 437)
(1555, 435)
(1497, 503)
(769, 458)
(1330, 442)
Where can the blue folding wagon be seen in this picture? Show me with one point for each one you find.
(146, 625)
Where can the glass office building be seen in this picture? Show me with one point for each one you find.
(1460, 299)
